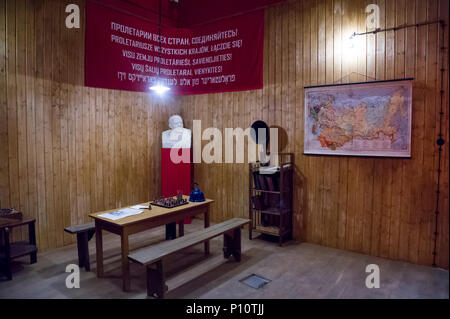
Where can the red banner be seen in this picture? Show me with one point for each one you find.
(123, 53)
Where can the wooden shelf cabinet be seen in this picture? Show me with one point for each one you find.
(270, 199)
(12, 250)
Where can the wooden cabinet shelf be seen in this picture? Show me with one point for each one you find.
(12, 250)
(270, 199)
(19, 249)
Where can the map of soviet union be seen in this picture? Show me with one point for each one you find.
(367, 120)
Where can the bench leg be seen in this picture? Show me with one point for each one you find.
(232, 244)
(181, 228)
(83, 251)
(171, 231)
(156, 286)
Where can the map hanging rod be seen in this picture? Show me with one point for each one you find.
(404, 26)
(352, 83)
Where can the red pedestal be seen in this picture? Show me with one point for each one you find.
(176, 177)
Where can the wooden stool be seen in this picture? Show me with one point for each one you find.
(84, 234)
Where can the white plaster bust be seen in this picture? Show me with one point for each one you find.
(177, 136)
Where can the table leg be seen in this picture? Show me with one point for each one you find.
(7, 254)
(99, 248)
(181, 228)
(125, 263)
(32, 241)
(206, 220)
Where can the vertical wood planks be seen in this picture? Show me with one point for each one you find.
(68, 150)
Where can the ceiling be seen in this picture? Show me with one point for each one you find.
(188, 13)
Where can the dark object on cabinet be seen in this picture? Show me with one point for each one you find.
(10, 213)
(12, 250)
(270, 209)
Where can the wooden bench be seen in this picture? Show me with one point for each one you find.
(84, 234)
(152, 257)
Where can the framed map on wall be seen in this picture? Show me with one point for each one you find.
(367, 119)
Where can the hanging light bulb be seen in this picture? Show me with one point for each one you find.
(159, 87)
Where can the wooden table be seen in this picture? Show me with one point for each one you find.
(10, 251)
(127, 226)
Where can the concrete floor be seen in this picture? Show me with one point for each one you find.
(296, 270)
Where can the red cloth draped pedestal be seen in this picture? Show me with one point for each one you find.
(176, 176)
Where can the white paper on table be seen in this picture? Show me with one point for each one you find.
(139, 207)
(121, 213)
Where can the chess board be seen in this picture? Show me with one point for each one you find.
(169, 202)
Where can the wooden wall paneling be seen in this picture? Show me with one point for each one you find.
(290, 113)
(430, 156)
(306, 76)
(215, 168)
(339, 186)
(66, 123)
(4, 183)
(134, 150)
(343, 72)
(418, 121)
(106, 159)
(12, 106)
(375, 70)
(99, 155)
(356, 165)
(326, 27)
(399, 72)
(142, 149)
(317, 78)
(31, 190)
(80, 102)
(145, 154)
(442, 244)
(351, 165)
(405, 212)
(56, 112)
(363, 207)
(48, 140)
(69, 150)
(112, 149)
(291, 92)
(222, 120)
(118, 136)
(139, 150)
(72, 110)
(4, 162)
(299, 197)
(84, 151)
(387, 163)
(284, 96)
(368, 207)
(225, 169)
(42, 220)
(150, 145)
(245, 122)
(123, 164)
(21, 105)
(235, 171)
(128, 164)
